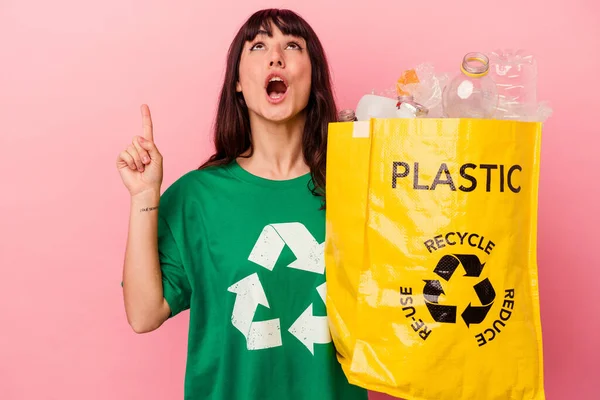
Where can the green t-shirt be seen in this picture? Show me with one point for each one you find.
(245, 255)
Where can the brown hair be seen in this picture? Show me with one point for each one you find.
(232, 124)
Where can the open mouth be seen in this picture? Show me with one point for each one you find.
(276, 87)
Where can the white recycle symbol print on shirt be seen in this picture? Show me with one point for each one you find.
(308, 328)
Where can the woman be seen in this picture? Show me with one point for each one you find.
(239, 242)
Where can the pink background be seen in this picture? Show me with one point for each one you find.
(72, 77)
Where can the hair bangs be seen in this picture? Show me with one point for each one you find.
(286, 21)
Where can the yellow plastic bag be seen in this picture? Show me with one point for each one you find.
(431, 257)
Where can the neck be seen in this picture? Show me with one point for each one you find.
(277, 149)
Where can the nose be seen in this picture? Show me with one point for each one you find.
(277, 58)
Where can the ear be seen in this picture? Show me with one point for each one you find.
(238, 87)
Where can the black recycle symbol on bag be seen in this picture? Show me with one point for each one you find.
(472, 314)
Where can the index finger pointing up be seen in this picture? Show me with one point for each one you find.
(147, 123)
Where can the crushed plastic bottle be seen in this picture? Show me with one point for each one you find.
(515, 75)
(472, 93)
(426, 87)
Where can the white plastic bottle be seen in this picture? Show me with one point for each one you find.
(373, 106)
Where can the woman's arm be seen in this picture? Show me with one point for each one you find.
(141, 169)
(145, 304)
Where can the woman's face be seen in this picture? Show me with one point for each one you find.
(275, 76)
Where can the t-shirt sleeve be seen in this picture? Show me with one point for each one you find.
(176, 286)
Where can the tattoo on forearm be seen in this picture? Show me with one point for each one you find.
(148, 209)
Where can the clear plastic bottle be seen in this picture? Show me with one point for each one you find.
(409, 108)
(471, 94)
(346, 115)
